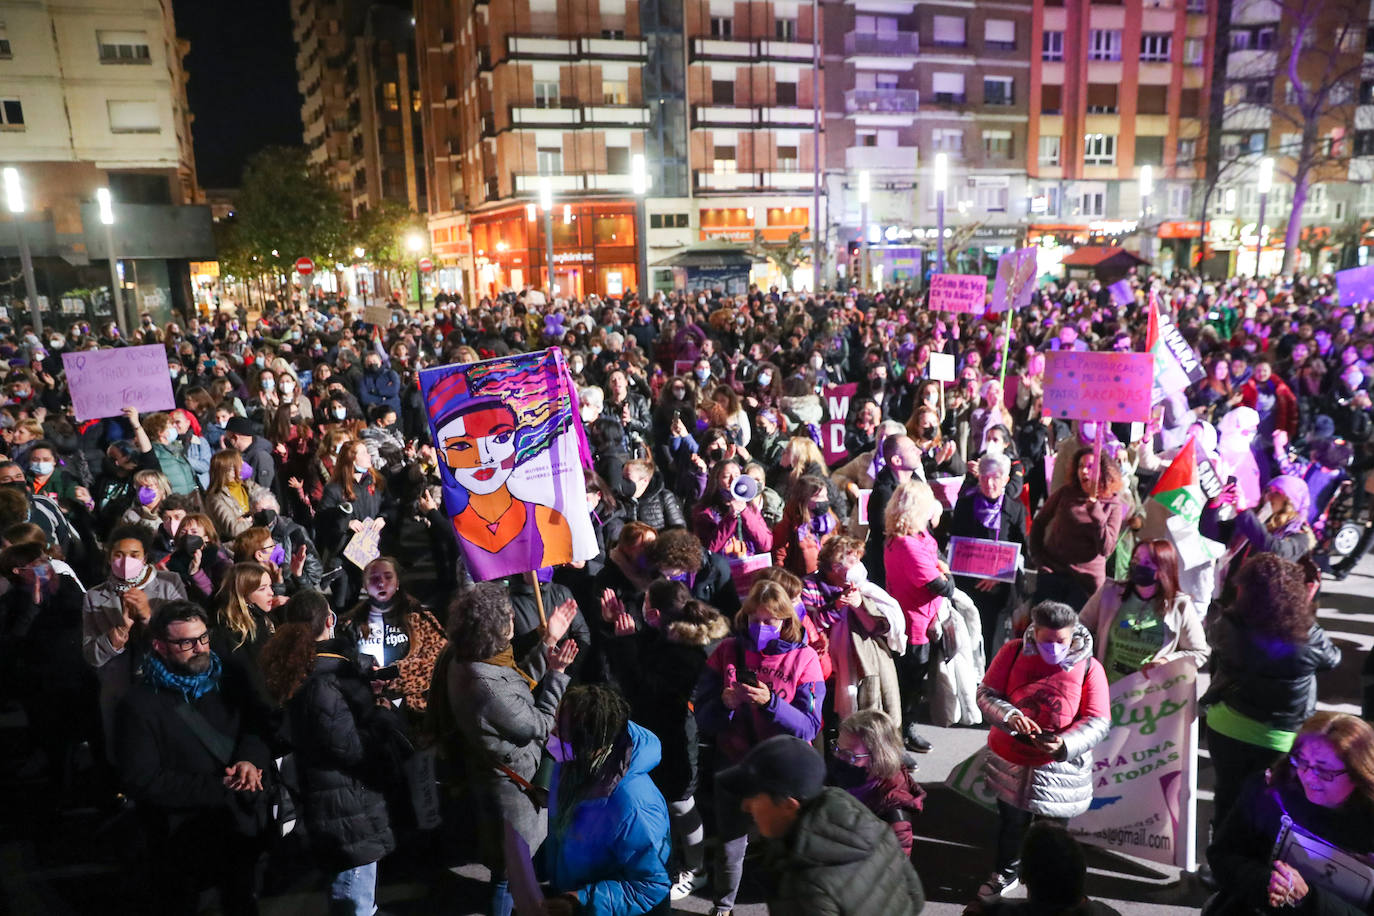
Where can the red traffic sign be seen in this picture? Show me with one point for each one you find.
(305, 266)
(426, 265)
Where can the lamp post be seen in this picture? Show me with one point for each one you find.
(1262, 184)
(14, 200)
(639, 184)
(416, 244)
(941, 184)
(546, 203)
(864, 191)
(102, 198)
(1147, 187)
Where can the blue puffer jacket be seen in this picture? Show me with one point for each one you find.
(614, 850)
(380, 387)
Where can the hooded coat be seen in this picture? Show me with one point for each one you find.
(612, 848)
(840, 859)
(1070, 699)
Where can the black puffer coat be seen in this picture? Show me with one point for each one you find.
(658, 507)
(345, 811)
(1266, 678)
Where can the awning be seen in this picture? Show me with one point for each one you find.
(710, 254)
(1103, 256)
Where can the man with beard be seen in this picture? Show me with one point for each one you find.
(192, 759)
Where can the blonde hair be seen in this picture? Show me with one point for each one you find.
(234, 613)
(772, 598)
(910, 509)
(155, 479)
(802, 451)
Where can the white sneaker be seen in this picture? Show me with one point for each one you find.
(1001, 882)
(686, 883)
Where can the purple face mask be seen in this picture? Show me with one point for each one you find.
(278, 555)
(245, 471)
(763, 634)
(146, 496)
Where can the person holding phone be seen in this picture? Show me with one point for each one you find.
(1047, 699)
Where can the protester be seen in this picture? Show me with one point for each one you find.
(1076, 530)
(868, 762)
(993, 512)
(1055, 874)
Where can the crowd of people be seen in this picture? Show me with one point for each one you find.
(175, 597)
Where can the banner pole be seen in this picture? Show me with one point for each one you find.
(538, 597)
(1006, 349)
(1185, 852)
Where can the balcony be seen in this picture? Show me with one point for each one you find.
(615, 115)
(795, 51)
(524, 47)
(530, 116)
(529, 183)
(722, 49)
(787, 117)
(887, 44)
(882, 101)
(569, 114)
(612, 48)
(727, 182)
(949, 98)
(722, 116)
(782, 180)
(788, 180)
(763, 117)
(881, 158)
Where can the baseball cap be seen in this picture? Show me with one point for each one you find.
(746, 488)
(783, 766)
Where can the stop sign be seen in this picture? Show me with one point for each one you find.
(305, 266)
(426, 265)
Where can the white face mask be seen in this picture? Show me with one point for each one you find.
(856, 575)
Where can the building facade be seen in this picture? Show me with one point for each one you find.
(93, 95)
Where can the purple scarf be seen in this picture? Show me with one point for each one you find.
(988, 512)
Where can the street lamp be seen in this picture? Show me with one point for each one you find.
(102, 198)
(941, 184)
(1262, 184)
(1147, 187)
(416, 244)
(546, 204)
(639, 184)
(14, 200)
(865, 191)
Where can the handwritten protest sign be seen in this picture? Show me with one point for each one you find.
(1121, 292)
(946, 489)
(1015, 280)
(832, 441)
(984, 559)
(103, 382)
(377, 314)
(942, 367)
(683, 366)
(364, 546)
(744, 570)
(958, 293)
(836, 398)
(1108, 387)
(1355, 285)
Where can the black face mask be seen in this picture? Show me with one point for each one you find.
(17, 486)
(928, 432)
(819, 509)
(264, 518)
(1143, 575)
(626, 487)
(846, 775)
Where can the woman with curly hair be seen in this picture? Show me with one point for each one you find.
(389, 627)
(1267, 649)
(494, 714)
(340, 758)
(1076, 530)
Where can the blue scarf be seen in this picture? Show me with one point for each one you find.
(190, 686)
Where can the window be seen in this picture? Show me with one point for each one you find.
(948, 88)
(546, 94)
(1264, 38)
(1149, 151)
(997, 90)
(1101, 98)
(722, 27)
(1339, 94)
(997, 144)
(947, 140)
(1180, 199)
(618, 160)
(123, 47)
(1290, 143)
(1349, 38)
(999, 34)
(1368, 46)
(1051, 195)
(1258, 92)
(787, 93)
(1049, 150)
(390, 100)
(1189, 103)
(948, 32)
(1240, 39)
(1152, 100)
(991, 198)
(391, 139)
(1187, 150)
(1338, 211)
(1154, 46)
(885, 81)
(1051, 98)
(1099, 149)
(1366, 92)
(1256, 141)
(549, 160)
(11, 114)
(1052, 46)
(788, 160)
(1364, 143)
(615, 92)
(1092, 202)
(785, 29)
(1197, 6)
(127, 117)
(1316, 200)
(723, 160)
(1104, 44)
(1193, 51)
(1290, 92)
(5, 53)
(723, 92)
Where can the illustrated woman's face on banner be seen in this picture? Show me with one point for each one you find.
(479, 448)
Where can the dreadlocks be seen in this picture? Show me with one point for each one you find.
(592, 720)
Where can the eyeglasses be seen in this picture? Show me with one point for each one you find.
(1301, 765)
(849, 756)
(189, 643)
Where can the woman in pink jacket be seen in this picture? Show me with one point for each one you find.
(917, 578)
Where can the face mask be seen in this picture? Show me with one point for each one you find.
(277, 556)
(287, 385)
(817, 362)
(596, 350)
(127, 568)
(170, 436)
(702, 375)
(1143, 575)
(559, 749)
(1054, 653)
(763, 634)
(147, 496)
(857, 575)
(847, 775)
(819, 509)
(360, 470)
(928, 432)
(765, 379)
(340, 413)
(56, 343)
(245, 471)
(41, 468)
(175, 373)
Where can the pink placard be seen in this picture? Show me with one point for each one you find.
(947, 490)
(744, 570)
(103, 382)
(983, 559)
(836, 399)
(958, 293)
(683, 366)
(832, 441)
(1108, 387)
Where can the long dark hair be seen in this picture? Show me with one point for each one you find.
(1165, 558)
(592, 720)
(289, 656)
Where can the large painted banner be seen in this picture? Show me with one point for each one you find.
(511, 459)
(1138, 771)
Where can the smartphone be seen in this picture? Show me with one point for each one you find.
(748, 677)
(1023, 737)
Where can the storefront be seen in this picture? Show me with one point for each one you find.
(594, 249)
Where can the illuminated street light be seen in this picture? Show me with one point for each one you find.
(106, 204)
(14, 200)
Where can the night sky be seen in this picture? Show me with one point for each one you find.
(242, 86)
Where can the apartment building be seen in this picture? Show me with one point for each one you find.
(93, 95)
(918, 79)
(359, 78)
(1115, 87)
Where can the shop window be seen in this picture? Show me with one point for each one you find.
(613, 229)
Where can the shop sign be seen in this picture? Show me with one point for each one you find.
(572, 257)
